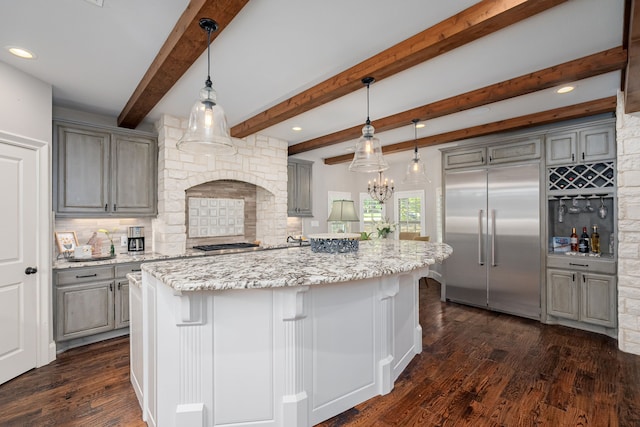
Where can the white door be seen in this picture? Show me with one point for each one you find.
(18, 293)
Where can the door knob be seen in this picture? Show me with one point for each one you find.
(31, 270)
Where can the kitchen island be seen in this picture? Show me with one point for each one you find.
(284, 337)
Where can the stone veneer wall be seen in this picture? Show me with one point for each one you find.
(628, 179)
(260, 160)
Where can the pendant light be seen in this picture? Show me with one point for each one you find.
(208, 132)
(368, 154)
(416, 171)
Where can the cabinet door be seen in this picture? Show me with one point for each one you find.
(122, 304)
(81, 175)
(299, 188)
(291, 189)
(133, 181)
(561, 148)
(562, 294)
(464, 158)
(515, 151)
(597, 143)
(598, 299)
(303, 189)
(84, 309)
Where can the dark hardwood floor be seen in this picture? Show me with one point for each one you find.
(478, 368)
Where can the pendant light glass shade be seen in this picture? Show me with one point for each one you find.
(368, 154)
(207, 133)
(416, 171)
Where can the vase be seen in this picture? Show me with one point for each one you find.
(112, 250)
(384, 234)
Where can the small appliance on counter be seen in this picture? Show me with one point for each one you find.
(135, 239)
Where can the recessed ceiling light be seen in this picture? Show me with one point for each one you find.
(20, 52)
(420, 125)
(350, 149)
(296, 128)
(565, 89)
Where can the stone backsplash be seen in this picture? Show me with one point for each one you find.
(85, 227)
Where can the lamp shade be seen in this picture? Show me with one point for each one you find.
(416, 172)
(208, 132)
(343, 210)
(368, 154)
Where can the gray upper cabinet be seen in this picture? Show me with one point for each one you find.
(98, 172)
(299, 188)
(586, 145)
(526, 149)
(133, 185)
(504, 152)
(464, 158)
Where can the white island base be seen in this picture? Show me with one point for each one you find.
(280, 356)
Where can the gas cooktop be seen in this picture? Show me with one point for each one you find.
(227, 247)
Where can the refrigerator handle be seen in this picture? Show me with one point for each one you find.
(493, 238)
(480, 261)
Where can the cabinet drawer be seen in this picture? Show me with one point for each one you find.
(123, 269)
(586, 264)
(73, 276)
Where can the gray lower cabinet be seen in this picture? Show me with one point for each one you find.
(584, 297)
(100, 172)
(299, 188)
(91, 300)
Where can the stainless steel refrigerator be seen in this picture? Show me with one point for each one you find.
(492, 221)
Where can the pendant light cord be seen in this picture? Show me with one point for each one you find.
(208, 83)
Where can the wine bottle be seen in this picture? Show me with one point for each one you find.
(595, 240)
(574, 240)
(583, 243)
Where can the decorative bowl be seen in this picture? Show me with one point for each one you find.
(334, 243)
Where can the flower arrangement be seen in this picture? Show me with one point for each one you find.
(112, 249)
(384, 228)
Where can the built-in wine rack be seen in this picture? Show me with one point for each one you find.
(592, 176)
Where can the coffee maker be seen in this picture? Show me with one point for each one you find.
(135, 239)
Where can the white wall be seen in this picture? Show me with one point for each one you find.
(26, 104)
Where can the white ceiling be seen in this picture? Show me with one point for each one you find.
(94, 57)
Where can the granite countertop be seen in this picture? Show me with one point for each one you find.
(135, 279)
(297, 266)
(122, 258)
(125, 257)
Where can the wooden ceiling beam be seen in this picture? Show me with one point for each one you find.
(599, 106)
(186, 42)
(588, 66)
(483, 18)
(632, 75)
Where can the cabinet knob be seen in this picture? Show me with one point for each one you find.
(114, 207)
(31, 270)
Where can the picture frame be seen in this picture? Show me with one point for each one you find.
(66, 241)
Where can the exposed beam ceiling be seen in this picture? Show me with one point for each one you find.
(605, 105)
(632, 81)
(184, 45)
(475, 22)
(589, 66)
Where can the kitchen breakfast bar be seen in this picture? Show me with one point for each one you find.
(283, 337)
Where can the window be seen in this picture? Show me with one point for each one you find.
(371, 212)
(336, 227)
(409, 209)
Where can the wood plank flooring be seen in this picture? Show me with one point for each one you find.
(478, 368)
